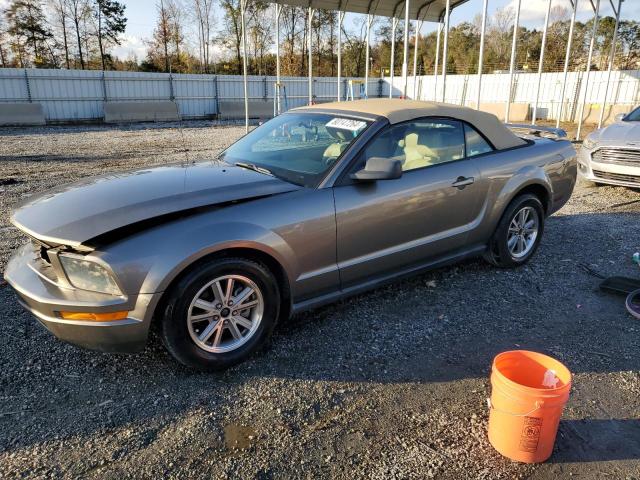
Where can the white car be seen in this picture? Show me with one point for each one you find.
(612, 154)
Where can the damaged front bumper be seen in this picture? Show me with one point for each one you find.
(44, 296)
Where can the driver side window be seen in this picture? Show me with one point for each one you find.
(418, 144)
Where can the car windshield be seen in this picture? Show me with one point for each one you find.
(634, 116)
(297, 147)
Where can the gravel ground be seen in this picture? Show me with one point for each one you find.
(389, 384)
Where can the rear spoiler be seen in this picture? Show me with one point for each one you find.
(537, 131)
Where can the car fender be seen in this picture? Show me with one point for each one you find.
(152, 259)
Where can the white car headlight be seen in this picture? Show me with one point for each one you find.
(589, 143)
(88, 275)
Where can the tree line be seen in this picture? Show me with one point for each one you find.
(204, 36)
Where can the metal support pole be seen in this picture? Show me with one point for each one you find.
(26, 80)
(394, 26)
(611, 57)
(445, 49)
(310, 57)
(366, 56)
(567, 58)
(105, 98)
(340, 21)
(512, 66)
(541, 63)
(405, 51)
(216, 96)
(483, 28)
(435, 68)
(415, 59)
(243, 7)
(588, 72)
(277, 90)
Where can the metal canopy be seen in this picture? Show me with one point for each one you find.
(425, 10)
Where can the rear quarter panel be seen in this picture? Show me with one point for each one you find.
(546, 163)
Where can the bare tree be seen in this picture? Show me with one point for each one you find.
(78, 11)
(205, 21)
(59, 10)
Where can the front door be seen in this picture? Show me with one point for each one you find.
(391, 225)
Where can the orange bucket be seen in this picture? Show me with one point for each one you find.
(528, 392)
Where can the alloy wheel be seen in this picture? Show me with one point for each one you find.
(225, 313)
(523, 232)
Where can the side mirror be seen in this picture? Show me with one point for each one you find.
(378, 168)
(619, 117)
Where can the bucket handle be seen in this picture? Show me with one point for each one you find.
(538, 406)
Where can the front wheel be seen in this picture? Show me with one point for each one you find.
(219, 313)
(518, 233)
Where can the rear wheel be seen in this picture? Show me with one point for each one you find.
(220, 313)
(518, 233)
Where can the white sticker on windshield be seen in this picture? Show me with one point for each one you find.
(346, 124)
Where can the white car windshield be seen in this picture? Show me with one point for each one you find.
(297, 147)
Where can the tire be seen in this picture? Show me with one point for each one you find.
(201, 330)
(502, 251)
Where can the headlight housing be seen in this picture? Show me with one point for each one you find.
(88, 275)
(589, 143)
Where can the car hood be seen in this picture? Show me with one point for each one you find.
(619, 133)
(76, 213)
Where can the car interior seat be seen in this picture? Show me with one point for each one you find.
(333, 151)
(416, 155)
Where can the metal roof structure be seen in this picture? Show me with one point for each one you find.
(424, 10)
(421, 11)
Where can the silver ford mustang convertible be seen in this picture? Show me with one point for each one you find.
(317, 204)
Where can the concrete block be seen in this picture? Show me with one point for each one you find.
(234, 109)
(21, 114)
(518, 112)
(163, 111)
(592, 113)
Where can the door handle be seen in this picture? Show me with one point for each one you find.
(462, 182)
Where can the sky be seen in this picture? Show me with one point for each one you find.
(142, 17)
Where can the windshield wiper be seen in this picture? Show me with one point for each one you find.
(255, 168)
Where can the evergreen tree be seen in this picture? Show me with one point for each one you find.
(111, 23)
(28, 27)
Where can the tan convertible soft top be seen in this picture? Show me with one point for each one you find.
(398, 110)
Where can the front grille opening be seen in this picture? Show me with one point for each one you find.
(617, 156)
(619, 177)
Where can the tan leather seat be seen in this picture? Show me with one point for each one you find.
(334, 150)
(416, 155)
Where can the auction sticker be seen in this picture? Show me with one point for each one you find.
(530, 434)
(346, 124)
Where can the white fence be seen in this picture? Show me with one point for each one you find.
(624, 90)
(79, 95)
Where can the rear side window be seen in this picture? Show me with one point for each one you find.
(476, 144)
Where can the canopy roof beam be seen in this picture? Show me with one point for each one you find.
(592, 42)
(567, 58)
(611, 58)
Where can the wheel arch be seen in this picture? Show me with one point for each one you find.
(245, 252)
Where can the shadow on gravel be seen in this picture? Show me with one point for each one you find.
(597, 441)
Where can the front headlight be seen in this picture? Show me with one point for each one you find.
(88, 275)
(589, 143)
